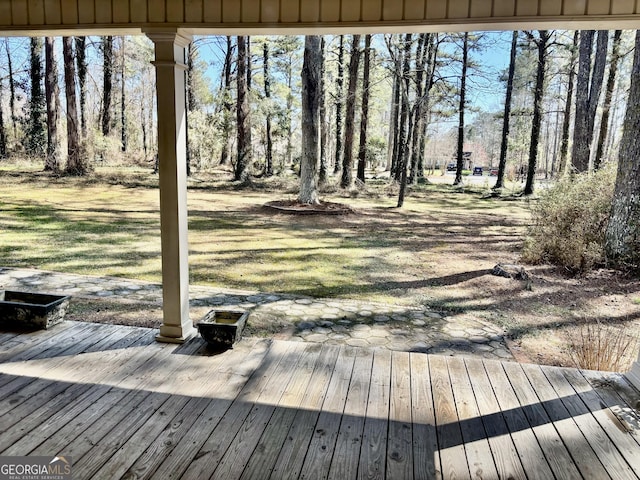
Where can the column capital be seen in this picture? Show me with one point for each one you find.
(180, 37)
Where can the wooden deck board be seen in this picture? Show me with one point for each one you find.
(476, 445)
(123, 406)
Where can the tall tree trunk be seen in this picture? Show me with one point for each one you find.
(349, 120)
(623, 230)
(421, 59)
(399, 115)
(339, 93)
(243, 115)
(289, 122)
(3, 131)
(52, 95)
(227, 105)
(588, 90)
(311, 85)
(566, 118)
(461, 110)
(428, 84)
(541, 44)
(608, 94)
(75, 165)
(404, 134)
(12, 91)
(81, 64)
(107, 83)
(504, 144)
(324, 161)
(124, 140)
(393, 127)
(364, 117)
(36, 135)
(268, 167)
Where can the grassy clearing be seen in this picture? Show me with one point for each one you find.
(109, 225)
(436, 251)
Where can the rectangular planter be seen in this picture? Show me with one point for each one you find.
(31, 310)
(222, 328)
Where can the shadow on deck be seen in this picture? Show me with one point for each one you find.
(123, 406)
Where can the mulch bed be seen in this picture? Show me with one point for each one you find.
(296, 208)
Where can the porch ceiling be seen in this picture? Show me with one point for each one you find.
(29, 17)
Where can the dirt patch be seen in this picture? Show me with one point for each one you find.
(321, 208)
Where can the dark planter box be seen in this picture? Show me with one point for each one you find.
(31, 310)
(222, 328)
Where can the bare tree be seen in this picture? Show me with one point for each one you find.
(542, 43)
(566, 119)
(12, 90)
(588, 87)
(507, 113)
(608, 94)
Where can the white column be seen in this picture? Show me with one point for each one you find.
(170, 88)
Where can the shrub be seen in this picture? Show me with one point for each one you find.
(597, 346)
(569, 222)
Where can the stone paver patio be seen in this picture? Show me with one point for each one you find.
(331, 321)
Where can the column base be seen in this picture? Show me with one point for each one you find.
(184, 334)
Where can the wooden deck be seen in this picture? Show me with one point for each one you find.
(123, 406)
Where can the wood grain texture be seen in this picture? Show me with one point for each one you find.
(453, 459)
(479, 458)
(125, 406)
(346, 453)
(555, 451)
(601, 443)
(529, 450)
(374, 445)
(573, 438)
(505, 454)
(425, 442)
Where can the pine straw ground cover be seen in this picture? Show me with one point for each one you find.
(435, 251)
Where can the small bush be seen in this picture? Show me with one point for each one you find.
(597, 346)
(569, 222)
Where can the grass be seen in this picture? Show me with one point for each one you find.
(108, 224)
